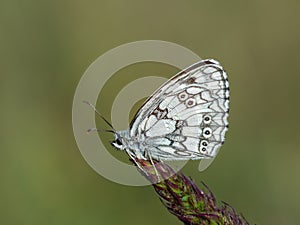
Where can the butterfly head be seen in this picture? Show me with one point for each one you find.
(117, 143)
(121, 139)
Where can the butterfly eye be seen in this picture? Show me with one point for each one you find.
(190, 102)
(207, 119)
(183, 96)
(118, 142)
(207, 132)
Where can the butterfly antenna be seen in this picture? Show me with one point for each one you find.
(102, 117)
(98, 130)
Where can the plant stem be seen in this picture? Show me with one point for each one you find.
(181, 196)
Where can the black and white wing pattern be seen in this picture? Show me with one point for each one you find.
(186, 118)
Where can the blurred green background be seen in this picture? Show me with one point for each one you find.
(47, 45)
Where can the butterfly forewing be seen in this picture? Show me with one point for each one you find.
(186, 118)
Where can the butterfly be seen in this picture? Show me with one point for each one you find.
(184, 119)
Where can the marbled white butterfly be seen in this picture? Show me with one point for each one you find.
(186, 118)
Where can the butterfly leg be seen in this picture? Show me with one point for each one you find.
(136, 163)
(155, 170)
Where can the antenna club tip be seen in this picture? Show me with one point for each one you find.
(86, 102)
(89, 131)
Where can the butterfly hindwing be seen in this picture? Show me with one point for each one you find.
(186, 118)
